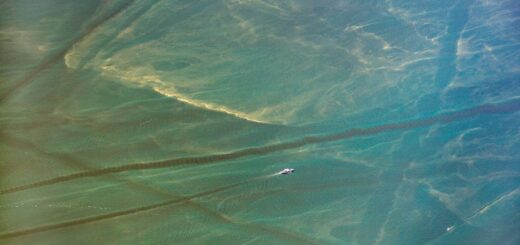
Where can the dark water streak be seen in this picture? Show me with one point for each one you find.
(93, 51)
(59, 56)
(496, 108)
(287, 236)
(291, 237)
(111, 215)
(457, 18)
(136, 185)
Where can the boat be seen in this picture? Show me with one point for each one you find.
(286, 171)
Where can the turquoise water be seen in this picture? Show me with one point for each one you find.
(165, 122)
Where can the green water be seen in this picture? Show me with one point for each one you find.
(165, 122)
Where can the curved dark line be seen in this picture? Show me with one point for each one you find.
(57, 57)
(498, 108)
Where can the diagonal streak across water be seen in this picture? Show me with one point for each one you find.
(299, 238)
(135, 184)
(492, 108)
(112, 215)
(59, 55)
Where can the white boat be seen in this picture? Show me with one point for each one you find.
(286, 171)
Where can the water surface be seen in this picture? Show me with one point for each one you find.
(160, 122)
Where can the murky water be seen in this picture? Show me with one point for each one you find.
(165, 122)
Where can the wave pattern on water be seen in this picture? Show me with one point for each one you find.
(500, 108)
(53, 59)
(400, 118)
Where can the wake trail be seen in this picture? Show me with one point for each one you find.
(468, 220)
(444, 118)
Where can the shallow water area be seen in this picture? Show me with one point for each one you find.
(167, 122)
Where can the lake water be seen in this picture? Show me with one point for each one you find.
(165, 122)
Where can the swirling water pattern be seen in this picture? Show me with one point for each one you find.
(154, 121)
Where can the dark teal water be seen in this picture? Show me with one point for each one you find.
(165, 122)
